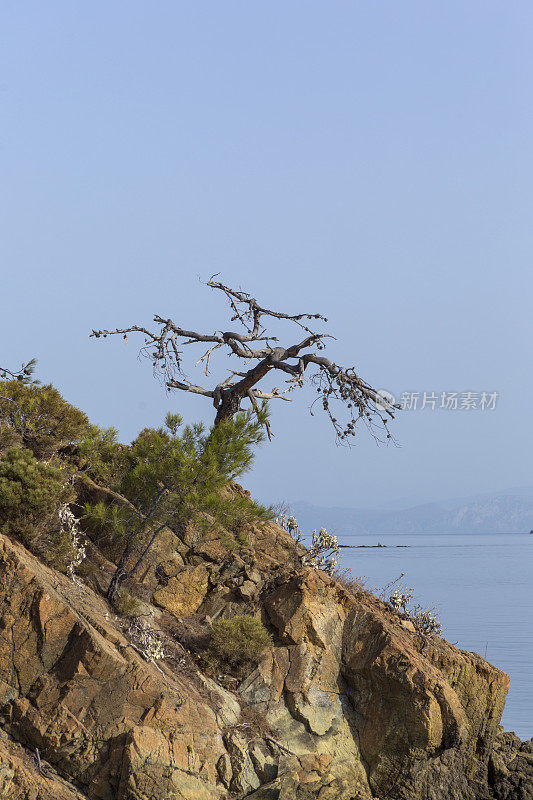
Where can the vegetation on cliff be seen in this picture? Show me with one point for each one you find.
(166, 478)
(235, 645)
(199, 650)
(39, 419)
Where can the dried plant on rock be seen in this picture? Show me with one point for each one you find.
(70, 527)
(400, 599)
(146, 640)
(289, 523)
(324, 550)
(425, 621)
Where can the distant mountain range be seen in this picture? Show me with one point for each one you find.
(508, 512)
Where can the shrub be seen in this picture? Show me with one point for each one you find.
(290, 524)
(323, 551)
(236, 644)
(31, 493)
(58, 550)
(34, 508)
(87, 569)
(39, 418)
(126, 604)
(425, 621)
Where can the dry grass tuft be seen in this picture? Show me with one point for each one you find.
(354, 585)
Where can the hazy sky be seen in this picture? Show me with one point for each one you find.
(369, 161)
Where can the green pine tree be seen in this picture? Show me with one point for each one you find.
(171, 475)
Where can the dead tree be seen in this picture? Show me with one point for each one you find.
(261, 356)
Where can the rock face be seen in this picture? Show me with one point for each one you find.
(185, 591)
(394, 712)
(347, 704)
(103, 717)
(511, 767)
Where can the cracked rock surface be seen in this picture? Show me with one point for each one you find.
(348, 702)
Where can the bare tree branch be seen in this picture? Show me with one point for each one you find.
(275, 394)
(259, 351)
(189, 387)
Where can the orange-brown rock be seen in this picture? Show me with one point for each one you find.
(21, 779)
(349, 704)
(115, 725)
(358, 681)
(185, 591)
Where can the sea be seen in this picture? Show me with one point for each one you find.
(481, 588)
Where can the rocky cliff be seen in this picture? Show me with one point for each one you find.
(349, 702)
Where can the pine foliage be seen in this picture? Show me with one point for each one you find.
(38, 418)
(31, 493)
(170, 476)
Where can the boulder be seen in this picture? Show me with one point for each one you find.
(244, 777)
(185, 592)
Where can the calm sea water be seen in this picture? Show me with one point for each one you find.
(482, 587)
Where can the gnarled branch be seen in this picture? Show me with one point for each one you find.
(258, 348)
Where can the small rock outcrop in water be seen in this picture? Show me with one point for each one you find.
(348, 703)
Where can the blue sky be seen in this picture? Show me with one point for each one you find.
(370, 161)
